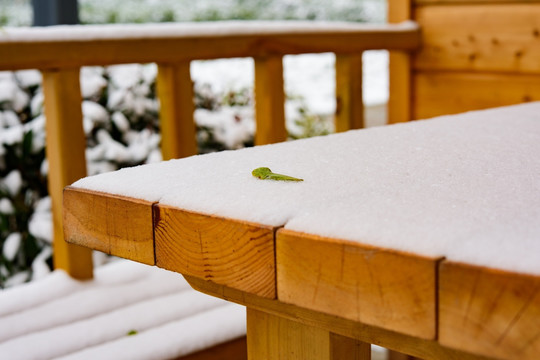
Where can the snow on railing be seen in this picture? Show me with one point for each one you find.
(60, 51)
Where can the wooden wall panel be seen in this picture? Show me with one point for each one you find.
(489, 312)
(441, 93)
(501, 37)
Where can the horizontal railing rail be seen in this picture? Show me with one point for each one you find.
(73, 46)
(60, 51)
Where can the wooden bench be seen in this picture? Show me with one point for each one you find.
(128, 310)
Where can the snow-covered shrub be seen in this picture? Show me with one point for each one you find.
(23, 185)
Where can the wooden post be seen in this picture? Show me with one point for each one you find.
(273, 337)
(269, 101)
(349, 103)
(66, 144)
(175, 92)
(400, 97)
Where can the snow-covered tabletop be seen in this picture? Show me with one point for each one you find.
(450, 186)
(409, 209)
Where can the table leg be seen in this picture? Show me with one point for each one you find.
(273, 337)
(394, 355)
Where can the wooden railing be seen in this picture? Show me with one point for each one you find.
(59, 52)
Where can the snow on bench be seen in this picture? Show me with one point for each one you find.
(463, 186)
(128, 310)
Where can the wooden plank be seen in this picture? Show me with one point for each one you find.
(38, 48)
(400, 82)
(175, 92)
(273, 337)
(231, 350)
(269, 101)
(344, 348)
(66, 144)
(224, 251)
(393, 355)
(443, 93)
(384, 288)
(422, 348)
(116, 225)
(399, 10)
(494, 37)
(349, 103)
(489, 312)
(400, 91)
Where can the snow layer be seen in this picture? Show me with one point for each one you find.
(464, 186)
(92, 319)
(188, 30)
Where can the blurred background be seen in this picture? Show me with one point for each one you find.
(121, 113)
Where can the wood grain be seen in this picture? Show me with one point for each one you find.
(65, 154)
(269, 101)
(444, 93)
(175, 92)
(421, 348)
(224, 251)
(392, 290)
(490, 312)
(273, 337)
(349, 102)
(112, 224)
(482, 37)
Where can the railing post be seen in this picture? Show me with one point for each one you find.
(269, 101)
(349, 103)
(175, 92)
(66, 145)
(400, 96)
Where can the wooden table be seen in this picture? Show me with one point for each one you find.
(315, 297)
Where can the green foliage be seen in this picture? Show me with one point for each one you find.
(24, 157)
(307, 124)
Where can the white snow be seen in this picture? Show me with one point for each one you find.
(120, 121)
(232, 125)
(40, 225)
(95, 112)
(6, 206)
(92, 81)
(464, 187)
(28, 78)
(188, 30)
(13, 182)
(174, 339)
(11, 135)
(11, 245)
(40, 269)
(10, 118)
(58, 316)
